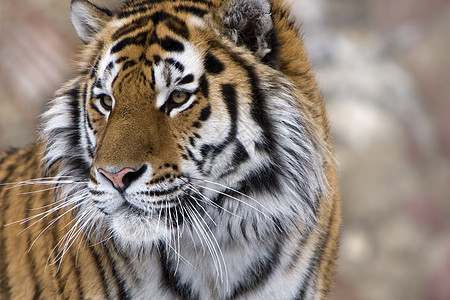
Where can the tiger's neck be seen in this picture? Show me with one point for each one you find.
(227, 261)
(196, 271)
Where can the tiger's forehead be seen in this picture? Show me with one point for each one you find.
(162, 36)
(155, 24)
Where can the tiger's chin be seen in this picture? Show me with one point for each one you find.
(135, 227)
(133, 230)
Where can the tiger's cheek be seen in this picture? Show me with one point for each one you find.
(204, 120)
(95, 122)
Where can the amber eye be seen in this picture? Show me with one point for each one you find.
(175, 100)
(106, 101)
(179, 97)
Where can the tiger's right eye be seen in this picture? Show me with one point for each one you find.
(105, 101)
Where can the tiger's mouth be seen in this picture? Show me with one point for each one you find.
(155, 208)
(151, 202)
(139, 202)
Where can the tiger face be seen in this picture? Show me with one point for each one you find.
(182, 120)
(162, 112)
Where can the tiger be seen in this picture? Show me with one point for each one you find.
(190, 157)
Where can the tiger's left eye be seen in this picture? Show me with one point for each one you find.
(176, 99)
(179, 97)
(106, 101)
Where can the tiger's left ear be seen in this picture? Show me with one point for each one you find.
(88, 19)
(250, 23)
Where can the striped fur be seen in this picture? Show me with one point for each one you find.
(190, 159)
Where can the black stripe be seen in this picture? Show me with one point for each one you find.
(258, 110)
(212, 151)
(240, 155)
(205, 113)
(113, 83)
(191, 9)
(94, 107)
(179, 27)
(77, 275)
(84, 107)
(229, 96)
(161, 16)
(55, 239)
(307, 278)
(213, 65)
(145, 7)
(90, 149)
(13, 165)
(170, 44)
(103, 272)
(175, 63)
(9, 171)
(258, 272)
(80, 165)
(192, 141)
(311, 200)
(319, 251)
(15, 157)
(109, 67)
(5, 289)
(98, 83)
(121, 59)
(139, 39)
(272, 58)
(132, 11)
(7, 153)
(204, 85)
(128, 64)
(30, 238)
(157, 59)
(295, 256)
(171, 279)
(123, 292)
(128, 28)
(126, 263)
(263, 179)
(74, 137)
(146, 61)
(186, 79)
(94, 68)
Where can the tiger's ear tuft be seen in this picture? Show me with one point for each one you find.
(88, 19)
(249, 23)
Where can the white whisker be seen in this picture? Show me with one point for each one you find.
(209, 201)
(44, 214)
(39, 191)
(232, 197)
(212, 244)
(49, 225)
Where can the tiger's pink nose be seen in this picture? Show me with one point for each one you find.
(122, 179)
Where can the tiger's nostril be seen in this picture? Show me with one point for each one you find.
(122, 179)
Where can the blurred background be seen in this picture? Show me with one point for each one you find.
(384, 69)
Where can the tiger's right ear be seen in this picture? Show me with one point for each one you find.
(88, 19)
(249, 23)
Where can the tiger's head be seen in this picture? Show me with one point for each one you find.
(181, 118)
